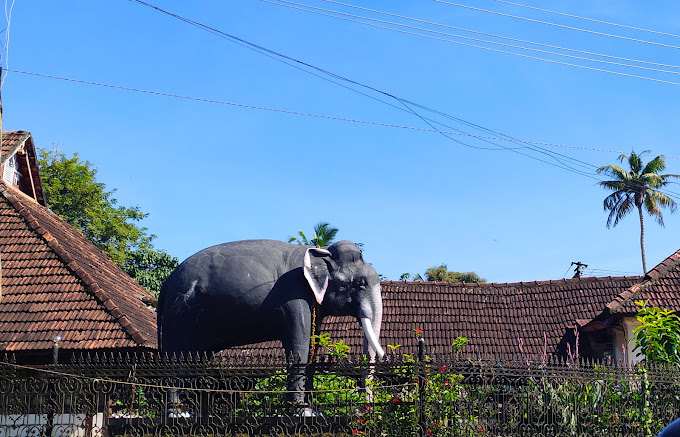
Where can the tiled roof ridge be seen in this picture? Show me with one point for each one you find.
(516, 284)
(657, 272)
(91, 285)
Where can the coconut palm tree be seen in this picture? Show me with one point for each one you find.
(637, 188)
(324, 235)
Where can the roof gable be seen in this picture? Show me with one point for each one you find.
(55, 282)
(20, 144)
(661, 287)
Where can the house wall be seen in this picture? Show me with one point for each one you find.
(624, 350)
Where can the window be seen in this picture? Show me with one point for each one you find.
(10, 173)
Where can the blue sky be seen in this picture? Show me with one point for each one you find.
(209, 173)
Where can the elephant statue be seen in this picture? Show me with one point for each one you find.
(251, 291)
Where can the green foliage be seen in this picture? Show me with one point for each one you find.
(136, 404)
(149, 267)
(442, 274)
(72, 192)
(338, 349)
(458, 344)
(324, 235)
(658, 336)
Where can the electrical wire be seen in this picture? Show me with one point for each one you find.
(485, 48)
(609, 23)
(609, 271)
(290, 112)
(356, 16)
(8, 17)
(491, 35)
(323, 116)
(260, 49)
(561, 163)
(558, 25)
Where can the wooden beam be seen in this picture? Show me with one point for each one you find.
(30, 175)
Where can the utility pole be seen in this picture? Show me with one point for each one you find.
(578, 271)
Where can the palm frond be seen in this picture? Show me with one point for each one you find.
(615, 172)
(655, 165)
(635, 163)
(614, 185)
(620, 204)
(655, 201)
(301, 239)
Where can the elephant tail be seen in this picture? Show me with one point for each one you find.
(159, 314)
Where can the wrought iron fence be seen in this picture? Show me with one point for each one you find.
(153, 396)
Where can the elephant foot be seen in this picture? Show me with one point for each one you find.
(175, 411)
(302, 411)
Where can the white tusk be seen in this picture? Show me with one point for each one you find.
(370, 336)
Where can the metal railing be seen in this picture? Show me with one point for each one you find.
(149, 395)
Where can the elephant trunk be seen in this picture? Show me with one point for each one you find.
(371, 319)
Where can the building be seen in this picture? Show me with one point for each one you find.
(58, 290)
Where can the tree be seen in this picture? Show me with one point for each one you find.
(658, 335)
(72, 192)
(442, 274)
(324, 235)
(149, 267)
(636, 189)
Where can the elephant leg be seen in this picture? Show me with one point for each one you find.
(309, 384)
(296, 338)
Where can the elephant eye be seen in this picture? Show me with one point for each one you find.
(360, 282)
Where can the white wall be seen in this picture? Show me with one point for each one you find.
(625, 338)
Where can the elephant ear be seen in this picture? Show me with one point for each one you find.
(316, 271)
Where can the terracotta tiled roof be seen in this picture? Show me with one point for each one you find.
(496, 318)
(661, 287)
(11, 141)
(55, 282)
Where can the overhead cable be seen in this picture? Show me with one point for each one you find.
(558, 25)
(290, 112)
(609, 23)
(434, 23)
(260, 49)
(619, 73)
(322, 116)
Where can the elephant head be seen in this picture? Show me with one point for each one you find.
(343, 283)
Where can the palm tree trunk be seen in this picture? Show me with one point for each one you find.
(642, 242)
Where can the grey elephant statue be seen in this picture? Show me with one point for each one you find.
(251, 291)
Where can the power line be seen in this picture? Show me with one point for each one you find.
(559, 25)
(489, 48)
(350, 120)
(8, 17)
(539, 150)
(434, 23)
(609, 23)
(322, 116)
(404, 102)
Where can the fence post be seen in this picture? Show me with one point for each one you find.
(421, 386)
